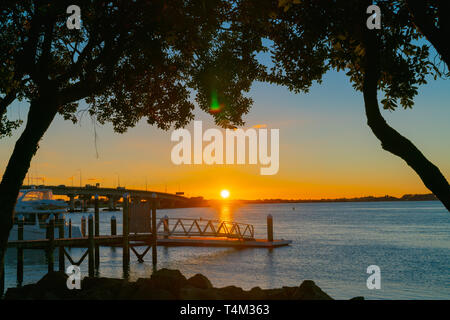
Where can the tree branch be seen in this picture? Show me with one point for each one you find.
(438, 37)
(7, 100)
(390, 139)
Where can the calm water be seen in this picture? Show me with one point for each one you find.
(333, 244)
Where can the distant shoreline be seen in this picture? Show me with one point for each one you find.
(406, 197)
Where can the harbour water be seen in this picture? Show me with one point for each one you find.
(333, 244)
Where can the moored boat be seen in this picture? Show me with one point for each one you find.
(36, 206)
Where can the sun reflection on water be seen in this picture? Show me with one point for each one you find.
(225, 212)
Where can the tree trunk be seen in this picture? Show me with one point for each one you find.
(391, 140)
(40, 115)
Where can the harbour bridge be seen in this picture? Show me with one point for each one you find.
(84, 194)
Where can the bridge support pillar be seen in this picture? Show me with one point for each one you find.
(136, 199)
(71, 203)
(111, 203)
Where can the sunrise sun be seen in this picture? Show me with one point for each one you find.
(224, 193)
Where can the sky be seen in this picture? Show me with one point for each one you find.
(326, 148)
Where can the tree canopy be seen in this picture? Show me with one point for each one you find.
(130, 60)
(313, 37)
(310, 37)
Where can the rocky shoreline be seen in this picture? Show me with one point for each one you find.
(164, 284)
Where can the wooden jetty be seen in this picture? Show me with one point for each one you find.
(214, 242)
(139, 229)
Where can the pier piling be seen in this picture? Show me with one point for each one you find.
(20, 224)
(97, 232)
(269, 228)
(154, 252)
(70, 228)
(61, 263)
(83, 226)
(71, 203)
(51, 245)
(91, 248)
(113, 226)
(125, 232)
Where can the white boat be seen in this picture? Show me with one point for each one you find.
(36, 206)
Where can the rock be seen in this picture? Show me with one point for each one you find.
(23, 293)
(164, 284)
(146, 289)
(284, 293)
(141, 282)
(309, 291)
(52, 286)
(99, 288)
(107, 287)
(200, 281)
(289, 291)
(127, 290)
(357, 298)
(89, 283)
(257, 293)
(54, 282)
(152, 294)
(193, 293)
(232, 293)
(49, 295)
(169, 280)
(156, 288)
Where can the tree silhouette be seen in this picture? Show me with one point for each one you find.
(430, 17)
(311, 37)
(129, 60)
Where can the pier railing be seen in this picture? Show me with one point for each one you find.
(205, 228)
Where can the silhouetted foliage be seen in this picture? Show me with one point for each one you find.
(313, 37)
(129, 60)
(310, 37)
